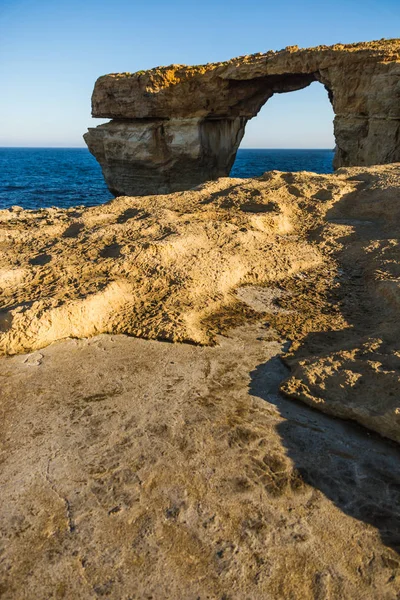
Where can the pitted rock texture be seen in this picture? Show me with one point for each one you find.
(156, 266)
(183, 268)
(136, 469)
(176, 127)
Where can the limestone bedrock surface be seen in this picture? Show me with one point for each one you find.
(136, 469)
(175, 127)
(313, 257)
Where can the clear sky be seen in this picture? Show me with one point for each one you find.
(52, 51)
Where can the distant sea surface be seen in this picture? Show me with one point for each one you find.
(43, 177)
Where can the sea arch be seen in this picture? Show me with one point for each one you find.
(289, 131)
(175, 127)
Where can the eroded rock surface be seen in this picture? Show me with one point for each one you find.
(158, 266)
(179, 267)
(137, 469)
(176, 127)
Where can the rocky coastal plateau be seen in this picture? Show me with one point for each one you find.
(200, 392)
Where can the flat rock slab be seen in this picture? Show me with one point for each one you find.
(139, 469)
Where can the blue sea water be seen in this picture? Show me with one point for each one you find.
(253, 163)
(64, 177)
(43, 177)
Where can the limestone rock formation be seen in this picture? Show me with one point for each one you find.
(175, 127)
(324, 249)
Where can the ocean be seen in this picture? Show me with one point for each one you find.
(42, 177)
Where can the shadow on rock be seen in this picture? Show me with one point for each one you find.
(357, 470)
(348, 360)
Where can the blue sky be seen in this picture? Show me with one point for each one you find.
(52, 51)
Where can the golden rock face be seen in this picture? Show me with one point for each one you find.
(181, 113)
(177, 267)
(180, 91)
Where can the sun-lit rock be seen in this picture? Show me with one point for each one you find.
(175, 127)
(178, 267)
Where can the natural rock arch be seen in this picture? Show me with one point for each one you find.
(288, 122)
(175, 127)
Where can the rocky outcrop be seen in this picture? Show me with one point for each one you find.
(175, 127)
(159, 156)
(319, 253)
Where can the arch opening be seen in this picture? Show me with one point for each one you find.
(291, 132)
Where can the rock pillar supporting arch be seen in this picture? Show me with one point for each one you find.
(141, 157)
(175, 127)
